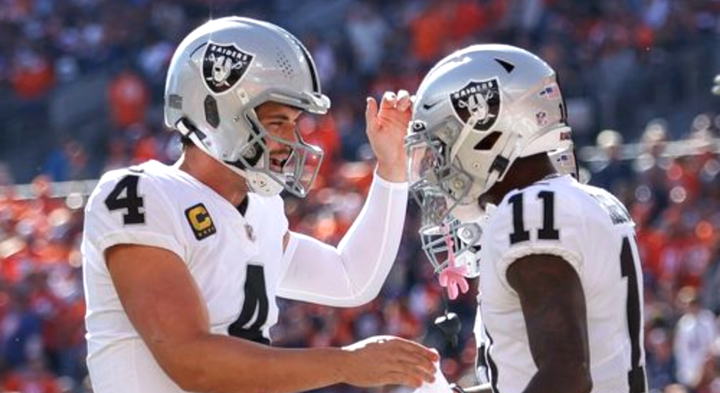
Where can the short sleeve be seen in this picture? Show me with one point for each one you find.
(535, 221)
(130, 207)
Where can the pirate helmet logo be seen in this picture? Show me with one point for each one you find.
(224, 66)
(477, 104)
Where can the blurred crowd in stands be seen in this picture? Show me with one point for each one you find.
(641, 67)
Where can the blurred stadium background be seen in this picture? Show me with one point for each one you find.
(81, 92)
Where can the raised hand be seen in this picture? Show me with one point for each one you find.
(386, 129)
(388, 360)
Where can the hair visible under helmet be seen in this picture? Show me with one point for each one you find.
(219, 75)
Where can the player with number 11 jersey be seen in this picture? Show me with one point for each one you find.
(560, 287)
(587, 227)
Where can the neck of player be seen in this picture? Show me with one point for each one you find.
(213, 174)
(523, 172)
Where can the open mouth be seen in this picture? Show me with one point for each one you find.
(278, 163)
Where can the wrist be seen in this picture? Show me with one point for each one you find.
(342, 359)
(394, 173)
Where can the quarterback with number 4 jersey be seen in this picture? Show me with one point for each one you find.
(183, 263)
(235, 257)
(560, 285)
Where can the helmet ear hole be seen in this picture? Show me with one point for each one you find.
(212, 117)
(488, 142)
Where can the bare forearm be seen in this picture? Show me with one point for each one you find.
(222, 364)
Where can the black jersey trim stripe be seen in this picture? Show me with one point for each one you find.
(492, 367)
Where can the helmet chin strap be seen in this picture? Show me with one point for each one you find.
(473, 220)
(258, 182)
(470, 212)
(262, 184)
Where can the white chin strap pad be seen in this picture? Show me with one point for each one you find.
(258, 182)
(468, 213)
(262, 184)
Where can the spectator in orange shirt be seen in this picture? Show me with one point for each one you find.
(129, 99)
(469, 18)
(33, 378)
(429, 31)
(146, 145)
(32, 75)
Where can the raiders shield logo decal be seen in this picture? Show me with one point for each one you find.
(478, 103)
(224, 66)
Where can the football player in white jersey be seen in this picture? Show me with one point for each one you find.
(560, 286)
(179, 259)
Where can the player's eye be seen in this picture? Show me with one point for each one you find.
(276, 124)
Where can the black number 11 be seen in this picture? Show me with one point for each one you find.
(547, 232)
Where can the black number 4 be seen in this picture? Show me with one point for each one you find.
(130, 201)
(255, 308)
(547, 232)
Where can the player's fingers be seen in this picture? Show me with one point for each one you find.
(371, 111)
(415, 363)
(408, 362)
(423, 370)
(409, 352)
(403, 100)
(426, 375)
(404, 379)
(427, 353)
(389, 100)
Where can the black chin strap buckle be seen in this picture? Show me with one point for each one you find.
(187, 128)
(456, 388)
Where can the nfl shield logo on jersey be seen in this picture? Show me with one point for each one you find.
(224, 66)
(478, 103)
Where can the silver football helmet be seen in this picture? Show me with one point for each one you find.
(475, 113)
(458, 236)
(219, 74)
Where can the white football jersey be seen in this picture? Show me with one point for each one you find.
(235, 261)
(591, 230)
